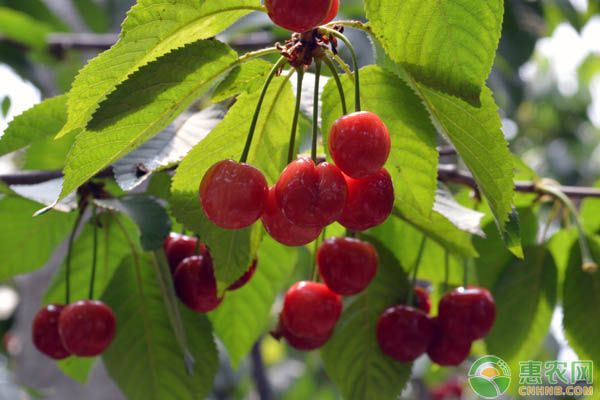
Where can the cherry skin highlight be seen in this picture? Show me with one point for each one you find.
(87, 327)
(445, 350)
(467, 314)
(309, 196)
(172, 237)
(244, 278)
(422, 300)
(181, 248)
(359, 144)
(281, 229)
(298, 15)
(404, 332)
(195, 284)
(45, 332)
(233, 195)
(347, 265)
(370, 201)
(310, 309)
(335, 6)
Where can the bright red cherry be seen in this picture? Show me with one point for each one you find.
(299, 342)
(195, 284)
(181, 248)
(309, 196)
(335, 6)
(310, 309)
(347, 265)
(281, 229)
(298, 15)
(422, 299)
(244, 278)
(87, 327)
(45, 332)
(233, 195)
(359, 144)
(446, 350)
(467, 314)
(404, 332)
(370, 201)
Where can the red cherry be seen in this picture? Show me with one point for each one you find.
(422, 299)
(335, 6)
(309, 196)
(447, 390)
(195, 284)
(347, 265)
(467, 314)
(172, 237)
(310, 309)
(359, 144)
(87, 327)
(45, 332)
(299, 342)
(244, 278)
(404, 332)
(281, 229)
(446, 350)
(298, 15)
(370, 201)
(233, 195)
(181, 248)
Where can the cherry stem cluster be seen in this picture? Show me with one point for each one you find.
(411, 293)
(315, 127)
(292, 145)
(94, 251)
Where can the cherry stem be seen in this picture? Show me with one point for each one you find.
(292, 145)
(69, 253)
(94, 251)
(354, 61)
(446, 269)
(274, 71)
(465, 272)
(197, 248)
(338, 82)
(313, 268)
(411, 294)
(313, 149)
(555, 209)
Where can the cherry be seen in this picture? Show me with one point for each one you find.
(281, 229)
(310, 309)
(370, 201)
(448, 390)
(299, 342)
(87, 327)
(181, 248)
(299, 15)
(404, 332)
(233, 195)
(422, 299)
(172, 237)
(335, 6)
(359, 144)
(446, 350)
(195, 284)
(347, 265)
(309, 196)
(467, 314)
(45, 332)
(244, 278)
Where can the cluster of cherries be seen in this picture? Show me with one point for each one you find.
(84, 328)
(464, 315)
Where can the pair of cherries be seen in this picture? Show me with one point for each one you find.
(193, 274)
(301, 15)
(84, 328)
(464, 315)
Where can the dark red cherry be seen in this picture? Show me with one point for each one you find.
(404, 332)
(335, 6)
(467, 314)
(233, 195)
(310, 309)
(299, 342)
(87, 327)
(422, 299)
(359, 144)
(309, 196)
(45, 332)
(298, 15)
(347, 265)
(281, 229)
(195, 284)
(370, 201)
(446, 350)
(244, 278)
(172, 236)
(181, 248)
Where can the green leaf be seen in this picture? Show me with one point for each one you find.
(23, 29)
(41, 121)
(5, 106)
(48, 153)
(20, 231)
(448, 46)
(144, 359)
(39, 11)
(77, 368)
(144, 105)
(152, 29)
(352, 357)
(244, 78)
(233, 250)
(511, 234)
(244, 313)
(94, 16)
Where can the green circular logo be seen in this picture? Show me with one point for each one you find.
(489, 377)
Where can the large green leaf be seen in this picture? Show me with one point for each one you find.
(244, 313)
(23, 29)
(233, 250)
(27, 242)
(93, 14)
(152, 28)
(144, 358)
(352, 357)
(143, 105)
(244, 78)
(38, 10)
(446, 45)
